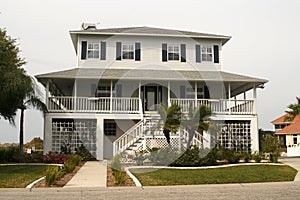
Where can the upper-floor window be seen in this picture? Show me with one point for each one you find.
(173, 52)
(128, 51)
(207, 54)
(295, 139)
(93, 50)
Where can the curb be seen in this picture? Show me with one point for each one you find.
(34, 182)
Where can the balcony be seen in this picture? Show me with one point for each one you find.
(129, 105)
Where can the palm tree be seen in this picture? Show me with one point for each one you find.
(294, 110)
(171, 117)
(32, 100)
(197, 120)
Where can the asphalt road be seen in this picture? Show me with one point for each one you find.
(283, 190)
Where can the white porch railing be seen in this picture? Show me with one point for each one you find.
(128, 138)
(94, 104)
(218, 106)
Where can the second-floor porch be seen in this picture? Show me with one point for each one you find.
(142, 91)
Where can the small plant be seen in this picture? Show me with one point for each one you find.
(190, 158)
(164, 156)
(119, 175)
(257, 157)
(231, 156)
(140, 157)
(270, 145)
(210, 159)
(52, 157)
(84, 153)
(52, 174)
(246, 156)
(71, 163)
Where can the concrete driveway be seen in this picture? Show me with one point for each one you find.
(293, 162)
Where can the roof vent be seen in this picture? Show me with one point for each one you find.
(88, 26)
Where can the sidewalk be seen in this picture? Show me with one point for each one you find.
(91, 174)
(293, 162)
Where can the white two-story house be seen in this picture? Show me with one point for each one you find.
(109, 101)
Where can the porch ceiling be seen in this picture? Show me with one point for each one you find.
(239, 83)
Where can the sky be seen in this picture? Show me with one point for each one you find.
(265, 40)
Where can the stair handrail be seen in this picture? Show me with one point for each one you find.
(123, 142)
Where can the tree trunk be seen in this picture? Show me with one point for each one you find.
(167, 135)
(22, 134)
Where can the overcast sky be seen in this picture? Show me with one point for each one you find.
(265, 40)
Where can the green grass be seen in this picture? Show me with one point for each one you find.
(236, 174)
(19, 176)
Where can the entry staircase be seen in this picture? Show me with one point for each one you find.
(148, 133)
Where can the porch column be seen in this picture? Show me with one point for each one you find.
(75, 95)
(110, 102)
(169, 94)
(254, 99)
(140, 98)
(245, 97)
(47, 95)
(196, 94)
(229, 96)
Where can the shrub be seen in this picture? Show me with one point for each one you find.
(257, 157)
(164, 156)
(84, 153)
(190, 158)
(10, 154)
(52, 174)
(71, 163)
(51, 157)
(119, 175)
(210, 159)
(140, 157)
(246, 157)
(231, 156)
(274, 157)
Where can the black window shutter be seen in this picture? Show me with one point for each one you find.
(206, 92)
(137, 51)
(103, 51)
(198, 53)
(216, 54)
(118, 50)
(164, 52)
(119, 90)
(182, 91)
(183, 52)
(83, 49)
(93, 89)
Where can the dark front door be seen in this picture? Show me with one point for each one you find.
(151, 98)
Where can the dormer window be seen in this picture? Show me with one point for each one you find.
(128, 51)
(93, 50)
(207, 53)
(173, 52)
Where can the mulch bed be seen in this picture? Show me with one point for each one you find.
(111, 181)
(63, 181)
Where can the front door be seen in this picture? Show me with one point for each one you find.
(152, 98)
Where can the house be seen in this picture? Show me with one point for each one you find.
(109, 101)
(288, 133)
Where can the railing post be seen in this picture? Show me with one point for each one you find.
(229, 97)
(254, 99)
(196, 103)
(111, 99)
(169, 94)
(75, 95)
(47, 96)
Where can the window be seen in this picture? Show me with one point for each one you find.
(173, 52)
(93, 50)
(295, 139)
(128, 51)
(207, 53)
(110, 127)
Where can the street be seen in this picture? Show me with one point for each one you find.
(283, 190)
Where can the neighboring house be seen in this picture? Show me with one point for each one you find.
(288, 133)
(109, 101)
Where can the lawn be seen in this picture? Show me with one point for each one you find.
(19, 176)
(235, 174)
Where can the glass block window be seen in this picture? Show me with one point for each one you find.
(110, 127)
(235, 135)
(74, 133)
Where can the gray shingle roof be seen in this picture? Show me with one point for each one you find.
(148, 74)
(151, 31)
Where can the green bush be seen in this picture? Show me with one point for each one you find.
(71, 163)
(190, 158)
(164, 156)
(140, 157)
(210, 159)
(52, 174)
(257, 157)
(274, 157)
(231, 156)
(246, 156)
(10, 154)
(119, 175)
(84, 153)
